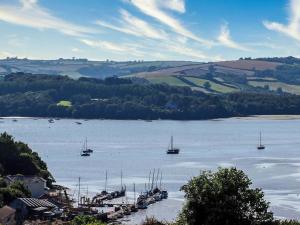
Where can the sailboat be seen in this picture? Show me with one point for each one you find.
(173, 150)
(85, 150)
(260, 146)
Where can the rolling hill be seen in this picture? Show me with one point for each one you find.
(257, 75)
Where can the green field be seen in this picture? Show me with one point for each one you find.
(65, 103)
(168, 80)
(261, 78)
(214, 86)
(294, 89)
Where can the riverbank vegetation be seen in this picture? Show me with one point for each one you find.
(113, 98)
(18, 158)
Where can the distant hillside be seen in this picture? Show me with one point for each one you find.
(255, 75)
(82, 67)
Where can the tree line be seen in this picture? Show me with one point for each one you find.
(114, 98)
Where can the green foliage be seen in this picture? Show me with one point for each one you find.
(18, 158)
(9, 193)
(113, 98)
(224, 198)
(152, 221)
(65, 103)
(85, 220)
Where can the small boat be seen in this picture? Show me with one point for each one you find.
(142, 202)
(157, 197)
(85, 154)
(164, 194)
(86, 149)
(134, 208)
(51, 120)
(260, 146)
(171, 149)
(79, 123)
(14, 120)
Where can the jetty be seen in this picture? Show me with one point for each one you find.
(114, 205)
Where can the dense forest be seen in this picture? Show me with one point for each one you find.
(113, 98)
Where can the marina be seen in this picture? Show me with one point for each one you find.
(136, 147)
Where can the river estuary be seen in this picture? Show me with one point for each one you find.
(135, 147)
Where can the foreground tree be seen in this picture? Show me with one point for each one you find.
(224, 198)
(86, 220)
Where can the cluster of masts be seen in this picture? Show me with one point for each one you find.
(153, 191)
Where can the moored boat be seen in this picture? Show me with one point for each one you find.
(172, 149)
(260, 145)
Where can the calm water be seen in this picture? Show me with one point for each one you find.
(135, 147)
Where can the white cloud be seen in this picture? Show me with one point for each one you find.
(115, 48)
(76, 50)
(135, 26)
(29, 13)
(192, 53)
(225, 39)
(292, 29)
(154, 8)
(176, 5)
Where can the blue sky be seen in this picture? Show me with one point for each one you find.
(198, 30)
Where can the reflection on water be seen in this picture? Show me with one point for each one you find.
(135, 147)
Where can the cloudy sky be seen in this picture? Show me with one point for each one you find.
(198, 30)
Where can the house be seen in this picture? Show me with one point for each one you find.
(31, 207)
(36, 185)
(7, 216)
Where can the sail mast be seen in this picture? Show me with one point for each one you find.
(153, 179)
(149, 180)
(105, 181)
(171, 142)
(134, 193)
(260, 139)
(78, 191)
(157, 177)
(160, 180)
(121, 179)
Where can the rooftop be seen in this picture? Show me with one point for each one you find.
(35, 203)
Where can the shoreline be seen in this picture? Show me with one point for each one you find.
(250, 117)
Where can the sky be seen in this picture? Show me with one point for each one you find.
(123, 30)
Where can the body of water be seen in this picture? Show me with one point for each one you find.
(136, 147)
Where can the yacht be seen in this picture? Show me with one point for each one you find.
(260, 146)
(86, 149)
(172, 149)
